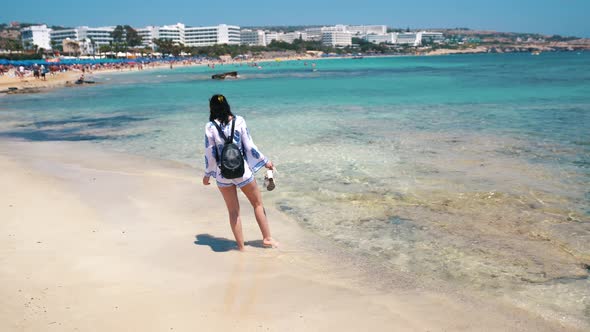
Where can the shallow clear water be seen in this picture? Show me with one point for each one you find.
(473, 169)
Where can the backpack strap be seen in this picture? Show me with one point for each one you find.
(233, 124)
(231, 137)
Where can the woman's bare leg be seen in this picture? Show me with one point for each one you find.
(253, 194)
(230, 195)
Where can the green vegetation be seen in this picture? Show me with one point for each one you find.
(10, 44)
(557, 38)
(167, 46)
(21, 56)
(368, 47)
(59, 27)
(124, 37)
(282, 28)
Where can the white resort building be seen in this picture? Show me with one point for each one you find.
(253, 37)
(172, 32)
(270, 36)
(363, 30)
(336, 38)
(208, 36)
(148, 34)
(317, 32)
(58, 36)
(433, 37)
(191, 36)
(388, 38)
(98, 36)
(39, 35)
(408, 38)
(290, 37)
(178, 33)
(175, 33)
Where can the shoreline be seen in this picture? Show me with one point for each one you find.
(29, 84)
(137, 262)
(14, 85)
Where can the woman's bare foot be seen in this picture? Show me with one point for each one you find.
(269, 242)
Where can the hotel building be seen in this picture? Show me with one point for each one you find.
(253, 37)
(178, 33)
(355, 30)
(58, 36)
(208, 36)
(388, 38)
(317, 32)
(148, 34)
(171, 32)
(36, 35)
(191, 36)
(429, 36)
(336, 38)
(99, 36)
(363, 30)
(270, 36)
(408, 38)
(290, 37)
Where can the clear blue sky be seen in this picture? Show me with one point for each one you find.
(565, 17)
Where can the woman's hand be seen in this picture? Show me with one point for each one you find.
(206, 180)
(269, 165)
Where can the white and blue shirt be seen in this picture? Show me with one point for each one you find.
(214, 144)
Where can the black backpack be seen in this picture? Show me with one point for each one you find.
(232, 161)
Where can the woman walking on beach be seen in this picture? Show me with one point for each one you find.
(221, 115)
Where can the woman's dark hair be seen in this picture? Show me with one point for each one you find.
(219, 109)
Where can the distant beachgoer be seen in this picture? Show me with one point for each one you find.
(43, 72)
(36, 71)
(220, 113)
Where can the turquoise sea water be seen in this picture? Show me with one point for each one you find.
(471, 169)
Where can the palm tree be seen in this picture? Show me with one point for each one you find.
(93, 44)
(76, 48)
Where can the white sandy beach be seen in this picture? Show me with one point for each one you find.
(52, 81)
(62, 79)
(100, 241)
